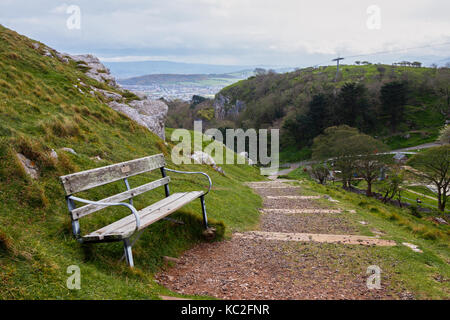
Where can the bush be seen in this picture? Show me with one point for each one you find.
(414, 209)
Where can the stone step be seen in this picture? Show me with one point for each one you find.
(294, 197)
(275, 187)
(310, 237)
(288, 211)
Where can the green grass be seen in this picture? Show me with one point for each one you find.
(293, 154)
(399, 141)
(404, 267)
(423, 190)
(41, 110)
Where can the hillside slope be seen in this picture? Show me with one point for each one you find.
(43, 111)
(285, 100)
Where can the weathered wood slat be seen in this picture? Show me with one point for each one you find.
(85, 180)
(125, 227)
(130, 219)
(91, 208)
(149, 216)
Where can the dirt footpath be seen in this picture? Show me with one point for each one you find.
(259, 268)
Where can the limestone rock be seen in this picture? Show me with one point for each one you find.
(247, 159)
(148, 113)
(439, 220)
(110, 95)
(203, 158)
(69, 150)
(141, 95)
(53, 154)
(412, 246)
(97, 70)
(29, 166)
(218, 169)
(224, 109)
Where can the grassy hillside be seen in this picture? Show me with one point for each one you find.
(40, 110)
(425, 274)
(285, 101)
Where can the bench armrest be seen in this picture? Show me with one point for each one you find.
(108, 204)
(188, 172)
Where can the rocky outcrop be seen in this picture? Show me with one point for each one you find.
(204, 158)
(148, 113)
(96, 69)
(224, 109)
(151, 114)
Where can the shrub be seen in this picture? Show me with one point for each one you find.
(5, 242)
(35, 151)
(414, 210)
(65, 164)
(35, 197)
(64, 128)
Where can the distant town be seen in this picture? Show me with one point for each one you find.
(180, 91)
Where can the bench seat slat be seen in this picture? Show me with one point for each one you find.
(119, 223)
(85, 180)
(125, 227)
(90, 208)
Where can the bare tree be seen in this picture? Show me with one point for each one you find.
(433, 165)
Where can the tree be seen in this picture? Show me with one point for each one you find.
(304, 127)
(369, 163)
(433, 165)
(393, 100)
(351, 152)
(445, 135)
(391, 187)
(320, 172)
(352, 104)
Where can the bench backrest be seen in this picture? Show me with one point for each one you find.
(85, 180)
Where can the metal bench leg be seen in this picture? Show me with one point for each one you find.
(128, 252)
(205, 218)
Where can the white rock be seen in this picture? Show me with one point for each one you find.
(141, 95)
(203, 158)
(413, 247)
(29, 166)
(110, 95)
(97, 70)
(69, 150)
(148, 113)
(53, 154)
(245, 155)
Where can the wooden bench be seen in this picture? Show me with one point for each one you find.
(133, 224)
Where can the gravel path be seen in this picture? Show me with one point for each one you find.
(254, 268)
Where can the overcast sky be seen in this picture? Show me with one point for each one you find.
(237, 32)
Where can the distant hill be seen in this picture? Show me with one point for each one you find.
(152, 79)
(124, 70)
